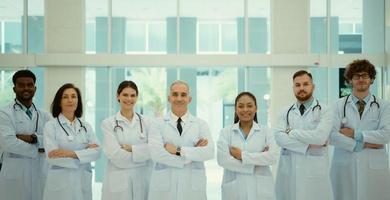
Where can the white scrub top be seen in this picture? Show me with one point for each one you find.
(251, 178)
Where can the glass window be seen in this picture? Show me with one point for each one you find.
(36, 26)
(136, 36)
(6, 85)
(209, 20)
(157, 32)
(228, 37)
(347, 14)
(11, 13)
(208, 37)
(96, 28)
(259, 26)
(150, 26)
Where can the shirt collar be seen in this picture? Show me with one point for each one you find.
(184, 118)
(307, 103)
(24, 108)
(255, 126)
(64, 120)
(365, 99)
(120, 117)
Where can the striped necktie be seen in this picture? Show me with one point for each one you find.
(361, 104)
(29, 113)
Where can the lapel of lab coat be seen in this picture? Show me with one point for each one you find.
(188, 123)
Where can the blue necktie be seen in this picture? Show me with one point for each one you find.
(29, 113)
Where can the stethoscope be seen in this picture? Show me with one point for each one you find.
(344, 120)
(117, 126)
(288, 128)
(70, 137)
(35, 108)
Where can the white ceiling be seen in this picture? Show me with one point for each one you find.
(347, 10)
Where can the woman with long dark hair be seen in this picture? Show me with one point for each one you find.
(71, 146)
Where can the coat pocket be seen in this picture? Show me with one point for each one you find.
(229, 190)
(12, 168)
(160, 180)
(58, 179)
(198, 179)
(378, 159)
(118, 181)
(265, 187)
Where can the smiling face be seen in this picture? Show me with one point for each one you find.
(179, 98)
(245, 108)
(69, 101)
(303, 87)
(127, 98)
(24, 89)
(361, 82)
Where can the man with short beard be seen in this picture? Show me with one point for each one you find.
(22, 176)
(361, 133)
(302, 132)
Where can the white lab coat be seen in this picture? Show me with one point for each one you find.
(303, 172)
(23, 173)
(251, 178)
(179, 177)
(127, 174)
(361, 175)
(69, 178)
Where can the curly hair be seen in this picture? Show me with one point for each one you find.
(358, 66)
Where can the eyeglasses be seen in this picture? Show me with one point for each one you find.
(358, 76)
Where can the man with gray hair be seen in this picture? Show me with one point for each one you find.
(179, 150)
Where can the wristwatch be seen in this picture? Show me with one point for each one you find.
(178, 151)
(34, 139)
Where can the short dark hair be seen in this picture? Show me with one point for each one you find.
(56, 104)
(23, 73)
(301, 73)
(235, 104)
(358, 66)
(126, 84)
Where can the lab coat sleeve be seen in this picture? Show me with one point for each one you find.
(262, 158)
(157, 150)
(226, 160)
(90, 154)
(284, 140)
(200, 153)
(336, 138)
(382, 134)
(9, 142)
(320, 134)
(45, 118)
(50, 144)
(112, 149)
(141, 152)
